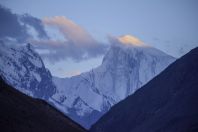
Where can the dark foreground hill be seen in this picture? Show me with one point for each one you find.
(20, 113)
(168, 103)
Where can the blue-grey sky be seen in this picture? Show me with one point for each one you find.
(169, 25)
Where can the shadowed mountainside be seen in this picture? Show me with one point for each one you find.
(20, 113)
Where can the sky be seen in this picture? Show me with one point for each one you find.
(72, 35)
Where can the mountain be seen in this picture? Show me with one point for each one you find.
(22, 68)
(128, 65)
(21, 113)
(168, 103)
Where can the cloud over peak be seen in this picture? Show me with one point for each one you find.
(78, 44)
(128, 40)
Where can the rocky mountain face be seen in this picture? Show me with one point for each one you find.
(21, 113)
(22, 68)
(128, 65)
(168, 103)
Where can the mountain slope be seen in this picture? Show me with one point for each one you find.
(169, 102)
(127, 66)
(20, 113)
(22, 67)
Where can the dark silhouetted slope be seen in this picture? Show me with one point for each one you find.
(20, 113)
(168, 103)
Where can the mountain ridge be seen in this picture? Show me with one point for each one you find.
(23, 68)
(158, 105)
(120, 74)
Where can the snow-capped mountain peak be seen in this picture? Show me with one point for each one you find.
(124, 69)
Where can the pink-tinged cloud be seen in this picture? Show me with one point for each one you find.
(127, 40)
(78, 44)
(70, 30)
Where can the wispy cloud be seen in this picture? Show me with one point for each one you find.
(10, 26)
(14, 26)
(36, 24)
(78, 44)
(128, 40)
(70, 30)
